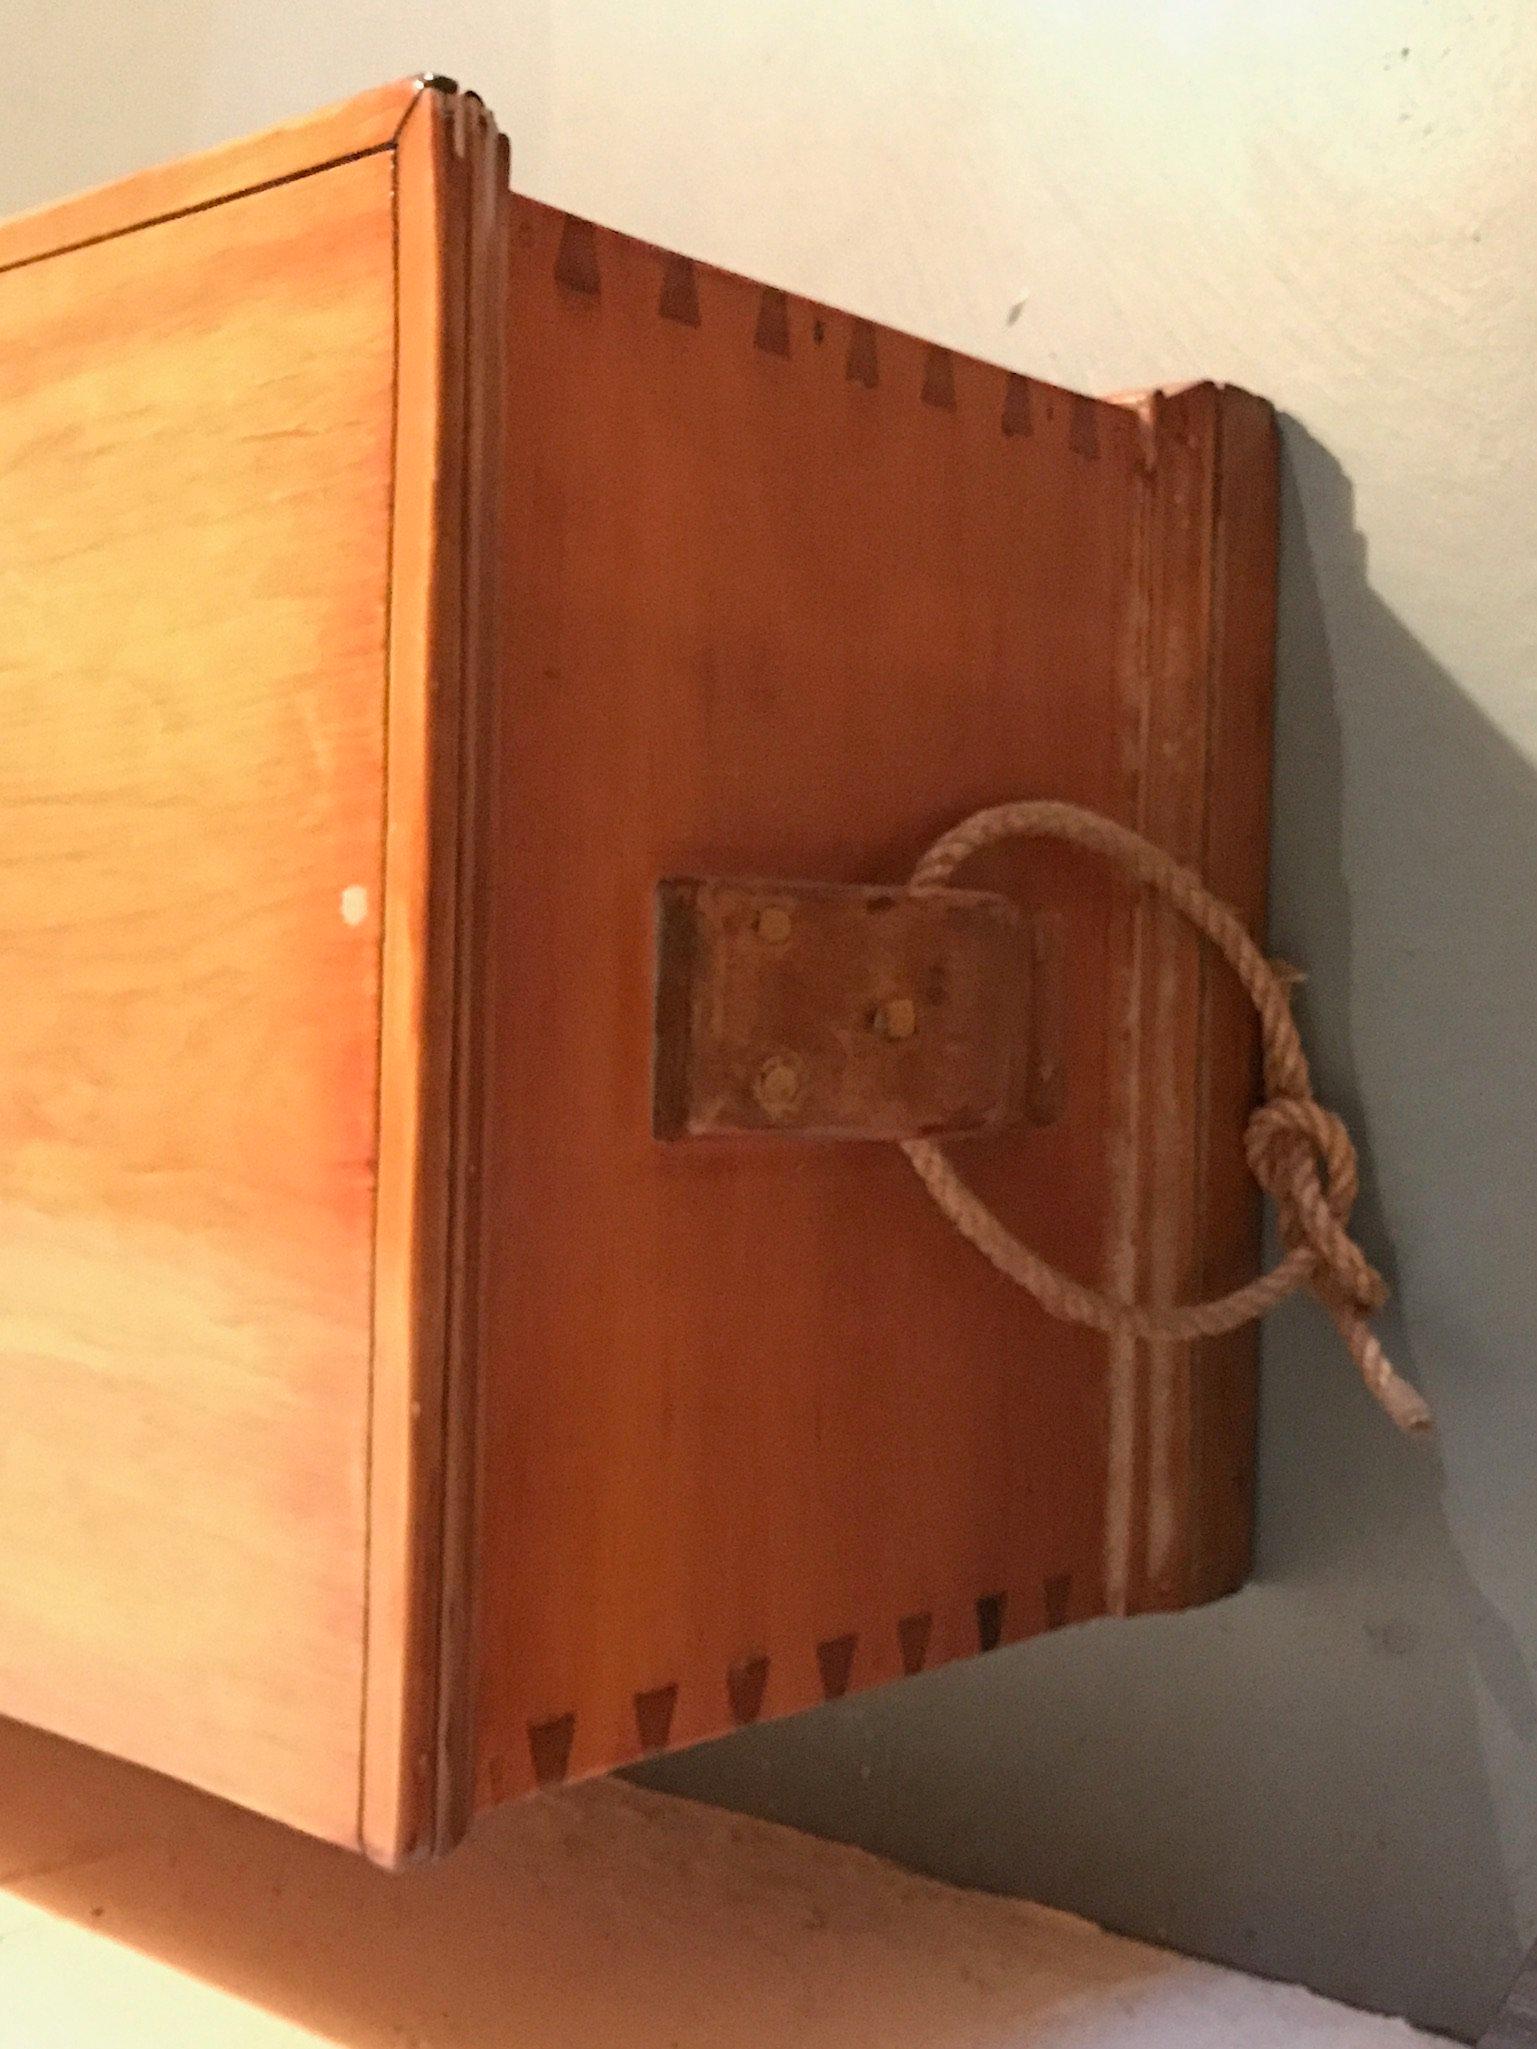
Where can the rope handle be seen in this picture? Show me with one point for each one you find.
(1299, 1152)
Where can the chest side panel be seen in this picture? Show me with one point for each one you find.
(786, 594)
(195, 469)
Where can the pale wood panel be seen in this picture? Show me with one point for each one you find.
(785, 594)
(195, 457)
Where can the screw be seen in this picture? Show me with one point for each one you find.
(774, 925)
(897, 1018)
(777, 1085)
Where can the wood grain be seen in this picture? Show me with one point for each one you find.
(1197, 692)
(237, 403)
(194, 488)
(786, 593)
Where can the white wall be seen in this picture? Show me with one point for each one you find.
(1332, 201)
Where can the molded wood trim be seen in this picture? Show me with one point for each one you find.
(450, 218)
(1198, 711)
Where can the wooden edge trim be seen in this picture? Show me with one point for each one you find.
(1177, 967)
(1182, 1494)
(1224, 1381)
(1129, 1371)
(398, 1742)
(419, 1441)
(488, 227)
(1197, 729)
(355, 127)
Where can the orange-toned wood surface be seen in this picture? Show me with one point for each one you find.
(785, 594)
(400, 580)
(234, 396)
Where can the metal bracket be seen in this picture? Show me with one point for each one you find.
(820, 1010)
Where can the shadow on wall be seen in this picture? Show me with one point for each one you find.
(1329, 1777)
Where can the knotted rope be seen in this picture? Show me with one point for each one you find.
(1299, 1152)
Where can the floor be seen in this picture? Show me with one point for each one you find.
(136, 1914)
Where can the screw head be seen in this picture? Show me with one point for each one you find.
(774, 925)
(778, 1084)
(896, 1018)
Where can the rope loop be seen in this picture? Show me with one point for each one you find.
(1299, 1152)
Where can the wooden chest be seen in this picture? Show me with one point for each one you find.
(399, 582)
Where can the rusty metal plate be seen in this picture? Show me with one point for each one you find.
(821, 1010)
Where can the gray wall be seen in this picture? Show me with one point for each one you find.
(1330, 1776)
